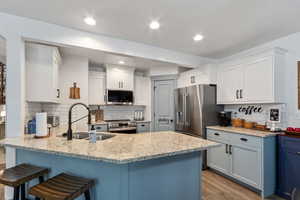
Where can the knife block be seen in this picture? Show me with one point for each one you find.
(74, 92)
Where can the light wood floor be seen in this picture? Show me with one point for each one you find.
(216, 187)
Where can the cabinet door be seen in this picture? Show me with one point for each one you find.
(218, 158)
(230, 81)
(246, 165)
(41, 73)
(113, 79)
(127, 80)
(96, 88)
(292, 172)
(258, 81)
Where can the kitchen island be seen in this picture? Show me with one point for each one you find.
(148, 166)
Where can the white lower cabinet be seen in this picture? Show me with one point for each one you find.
(245, 165)
(248, 159)
(218, 159)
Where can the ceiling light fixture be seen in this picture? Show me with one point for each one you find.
(90, 21)
(121, 62)
(198, 37)
(154, 25)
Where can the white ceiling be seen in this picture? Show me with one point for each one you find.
(227, 25)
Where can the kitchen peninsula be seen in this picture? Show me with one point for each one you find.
(155, 165)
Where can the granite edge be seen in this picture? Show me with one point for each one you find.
(114, 161)
(267, 134)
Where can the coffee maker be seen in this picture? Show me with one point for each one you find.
(224, 118)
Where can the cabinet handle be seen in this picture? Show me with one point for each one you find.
(244, 139)
(58, 93)
(237, 94)
(217, 134)
(143, 125)
(230, 149)
(241, 93)
(226, 148)
(122, 84)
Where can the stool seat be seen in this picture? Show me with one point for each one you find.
(20, 174)
(62, 187)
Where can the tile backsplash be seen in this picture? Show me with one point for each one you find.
(261, 117)
(61, 110)
(119, 112)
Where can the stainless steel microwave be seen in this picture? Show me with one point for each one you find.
(119, 97)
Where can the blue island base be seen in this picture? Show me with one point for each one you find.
(168, 178)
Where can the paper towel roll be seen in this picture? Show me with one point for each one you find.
(41, 124)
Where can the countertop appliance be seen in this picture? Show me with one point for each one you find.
(119, 97)
(224, 118)
(121, 126)
(195, 108)
(53, 120)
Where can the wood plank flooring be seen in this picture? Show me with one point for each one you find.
(216, 187)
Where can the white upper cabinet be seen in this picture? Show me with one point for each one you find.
(257, 78)
(96, 88)
(201, 75)
(258, 81)
(230, 84)
(42, 65)
(119, 77)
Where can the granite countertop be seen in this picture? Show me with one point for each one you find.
(120, 149)
(244, 131)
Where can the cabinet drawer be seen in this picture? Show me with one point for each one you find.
(245, 140)
(101, 127)
(219, 136)
(143, 127)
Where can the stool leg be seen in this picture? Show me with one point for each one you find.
(41, 179)
(23, 192)
(87, 195)
(16, 193)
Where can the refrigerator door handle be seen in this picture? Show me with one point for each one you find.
(200, 100)
(184, 110)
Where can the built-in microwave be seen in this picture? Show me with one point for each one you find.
(119, 97)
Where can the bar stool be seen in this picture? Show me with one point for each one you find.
(62, 187)
(17, 176)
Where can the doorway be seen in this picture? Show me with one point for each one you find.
(163, 105)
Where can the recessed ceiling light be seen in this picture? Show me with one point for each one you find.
(90, 21)
(154, 25)
(198, 37)
(121, 62)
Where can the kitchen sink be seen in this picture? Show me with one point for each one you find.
(85, 135)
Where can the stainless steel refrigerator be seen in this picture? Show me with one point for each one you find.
(195, 108)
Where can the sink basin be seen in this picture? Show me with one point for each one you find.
(103, 137)
(85, 135)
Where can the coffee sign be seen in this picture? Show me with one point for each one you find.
(248, 110)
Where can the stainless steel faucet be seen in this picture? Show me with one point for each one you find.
(70, 132)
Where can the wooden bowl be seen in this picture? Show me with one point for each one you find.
(248, 124)
(237, 122)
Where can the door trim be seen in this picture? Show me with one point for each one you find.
(153, 80)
